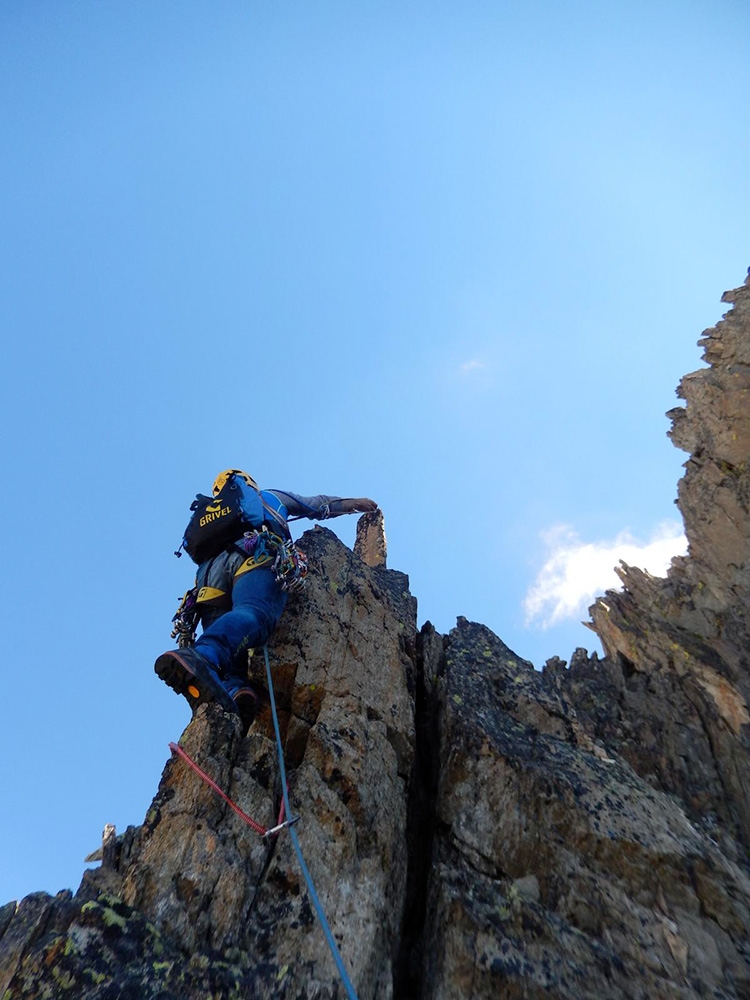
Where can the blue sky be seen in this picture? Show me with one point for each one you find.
(453, 256)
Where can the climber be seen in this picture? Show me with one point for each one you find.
(241, 588)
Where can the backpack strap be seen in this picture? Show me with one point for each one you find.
(277, 516)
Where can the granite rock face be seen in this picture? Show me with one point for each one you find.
(557, 871)
(474, 827)
(195, 903)
(678, 649)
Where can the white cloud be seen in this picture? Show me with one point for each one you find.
(471, 366)
(577, 572)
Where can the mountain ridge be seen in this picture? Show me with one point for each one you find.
(474, 827)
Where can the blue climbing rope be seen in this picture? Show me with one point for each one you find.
(295, 843)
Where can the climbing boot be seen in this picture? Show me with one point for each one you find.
(245, 697)
(191, 674)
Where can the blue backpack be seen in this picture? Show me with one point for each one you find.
(219, 521)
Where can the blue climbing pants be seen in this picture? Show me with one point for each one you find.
(257, 604)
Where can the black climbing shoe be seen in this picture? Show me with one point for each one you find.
(245, 698)
(189, 673)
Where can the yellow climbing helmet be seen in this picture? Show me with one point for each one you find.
(222, 478)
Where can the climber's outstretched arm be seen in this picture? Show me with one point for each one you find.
(320, 507)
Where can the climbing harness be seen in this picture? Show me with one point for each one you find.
(260, 544)
(261, 547)
(186, 620)
(289, 564)
(282, 824)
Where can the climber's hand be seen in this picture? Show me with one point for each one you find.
(358, 505)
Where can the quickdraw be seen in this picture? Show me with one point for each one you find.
(186, 620)
(290, 567)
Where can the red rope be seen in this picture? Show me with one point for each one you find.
(209, 781)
